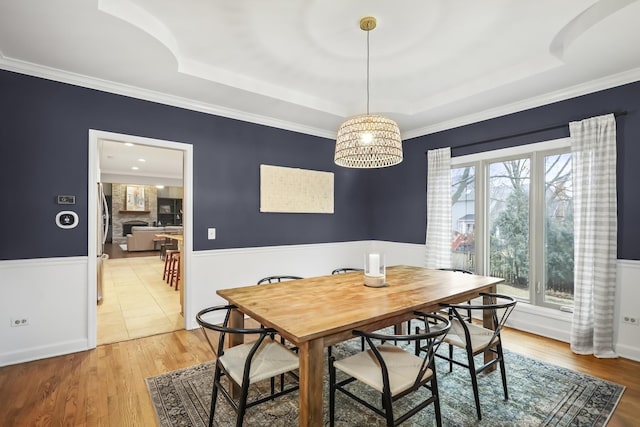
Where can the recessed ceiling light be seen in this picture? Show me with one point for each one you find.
(128, 144)
(135, 168)
(141, 160)
(160, 186)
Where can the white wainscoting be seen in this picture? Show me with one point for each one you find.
(556, 324)
(53, 293)
(228, 268)
(627, 337)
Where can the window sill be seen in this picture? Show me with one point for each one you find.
(547, 322)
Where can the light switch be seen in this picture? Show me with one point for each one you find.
(211, 233)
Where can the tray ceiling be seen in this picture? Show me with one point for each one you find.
(301, 65)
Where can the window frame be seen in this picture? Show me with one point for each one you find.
(536, 154)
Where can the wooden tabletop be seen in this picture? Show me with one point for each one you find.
(321, 311)
(307, 309)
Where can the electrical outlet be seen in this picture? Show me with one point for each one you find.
(630, 320)
(19, 321)
(211, 233)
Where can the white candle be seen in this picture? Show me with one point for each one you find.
(374, 264)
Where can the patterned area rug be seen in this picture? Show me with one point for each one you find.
(540, 394)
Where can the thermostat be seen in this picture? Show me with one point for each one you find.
(66, 219)
(66, 200)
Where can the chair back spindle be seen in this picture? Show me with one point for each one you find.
(246, 363)
(392, 370)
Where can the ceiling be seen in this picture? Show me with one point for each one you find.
(301, 65)
(128, 163)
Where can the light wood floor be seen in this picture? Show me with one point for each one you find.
(106, 386)
(136, 301)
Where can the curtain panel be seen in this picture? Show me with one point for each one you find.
(593, 146)
(438, 239)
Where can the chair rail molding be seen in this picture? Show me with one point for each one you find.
(53, 293)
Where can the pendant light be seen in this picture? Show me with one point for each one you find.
(368, 141)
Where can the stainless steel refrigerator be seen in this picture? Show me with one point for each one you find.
(103, 229)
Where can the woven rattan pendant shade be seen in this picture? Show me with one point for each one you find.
(368, 141)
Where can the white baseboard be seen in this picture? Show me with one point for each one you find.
(628, 352)
(42, 352)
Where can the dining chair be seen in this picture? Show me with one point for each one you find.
(476, 339)
(455, 270)
(276, 279)
(463, 271)
(343, 270)
(392, 370)
(244, 364)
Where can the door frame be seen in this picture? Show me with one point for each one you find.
(92, 199)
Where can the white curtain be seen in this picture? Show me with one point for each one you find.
(593, 147)
(438, 241)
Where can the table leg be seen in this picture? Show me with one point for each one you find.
(311, 355)
(401, 329)
(236, 320)
(487, 322)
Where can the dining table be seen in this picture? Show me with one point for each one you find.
(318, 312)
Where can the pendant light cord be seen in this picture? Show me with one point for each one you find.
(368, 72)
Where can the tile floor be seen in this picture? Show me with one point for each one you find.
(136, 302)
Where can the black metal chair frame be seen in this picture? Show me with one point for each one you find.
(456, 270)
(241, 405)
(460, 270)
(276, 279)
(495, 343)
(345, 270)
(433, 339)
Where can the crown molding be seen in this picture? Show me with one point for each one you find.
(592, 86)
(54, 74)
(49, 73)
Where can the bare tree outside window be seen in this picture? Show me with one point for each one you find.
(509, 257)
(542, 274)
(558, 230)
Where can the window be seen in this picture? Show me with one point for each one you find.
(512, 217)
(463, 217)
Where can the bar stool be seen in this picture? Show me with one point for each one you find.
(175, 270)
(165, 246)
(166, 274)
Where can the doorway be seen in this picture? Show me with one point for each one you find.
(139, 275)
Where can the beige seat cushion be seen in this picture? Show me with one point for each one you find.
(480, 337)
(403, 368)
(271, 359)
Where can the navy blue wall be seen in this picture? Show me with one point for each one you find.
(44, 152)
(399, 210)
